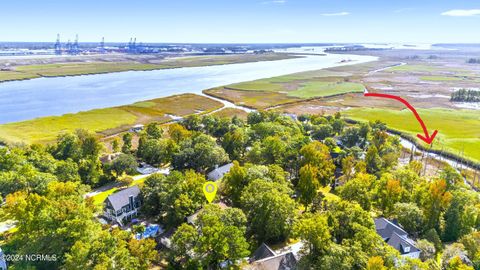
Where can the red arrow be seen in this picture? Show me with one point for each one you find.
(427, 138)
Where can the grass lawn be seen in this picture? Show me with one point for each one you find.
(322, 89)
(106, 121)
(458, 130)
(99, 198)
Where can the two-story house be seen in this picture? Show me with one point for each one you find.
(122, 206)
(397, 237)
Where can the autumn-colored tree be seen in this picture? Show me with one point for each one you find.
(317, 155)
(178, 132)
(388, 192)
(416, 166)
(436, 200)
(375, 263)
(456, 263)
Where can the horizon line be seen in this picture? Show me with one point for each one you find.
(249, 43)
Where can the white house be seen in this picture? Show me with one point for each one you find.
(123, 205)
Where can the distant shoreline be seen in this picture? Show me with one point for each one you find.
(281, 56)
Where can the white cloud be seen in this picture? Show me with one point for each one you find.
(336, 14)
(462, 12)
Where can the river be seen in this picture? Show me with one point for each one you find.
(23, 100)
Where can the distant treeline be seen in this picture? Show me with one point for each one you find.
(466, 95)
(473, 61)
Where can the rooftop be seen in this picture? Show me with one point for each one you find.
(120, 199)
(403, 244)
(262, 252)
(285, 261)
(395, 236)
(219, 172)
(385, 228)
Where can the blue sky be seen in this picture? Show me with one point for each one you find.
(236, 21)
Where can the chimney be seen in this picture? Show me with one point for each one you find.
(395, 221)
(130, 200)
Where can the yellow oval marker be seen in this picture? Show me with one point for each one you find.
(210, 190)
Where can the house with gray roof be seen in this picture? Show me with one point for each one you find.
(3, 263)
(394, 235)
(285, 261)
(122, 206)
(262, 252)
(265, 258)
(219, 172)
